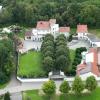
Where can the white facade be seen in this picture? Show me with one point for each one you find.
(65, 33)
(54, 29)
(38, 34)
(81, 35)
(89, 57)
(47, 27)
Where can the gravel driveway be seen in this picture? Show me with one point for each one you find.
(29, 44)
(77, 44)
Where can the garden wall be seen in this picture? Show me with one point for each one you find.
(32, 79)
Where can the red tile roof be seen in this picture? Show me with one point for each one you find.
(94, 66)
(44, 25)
(82, 28)
(28, 33)
(95, 69)
(64, 29)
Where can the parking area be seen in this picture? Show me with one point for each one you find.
(78, 43)
(29, 44)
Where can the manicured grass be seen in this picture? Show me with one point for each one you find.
(33, 94)
(30, 65)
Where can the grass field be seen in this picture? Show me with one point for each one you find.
(33, 95)
(30, 64)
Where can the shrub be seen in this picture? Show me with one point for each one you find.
(49, 87)
(7, 96)
(77, 85)
(64, 87)
(91, 83)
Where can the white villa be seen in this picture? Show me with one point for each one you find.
(46, 27)
(82, 33)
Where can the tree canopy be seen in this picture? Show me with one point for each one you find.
(67, 12)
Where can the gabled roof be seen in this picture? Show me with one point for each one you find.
(28, 33)
(82, 29)
(90, 66)
(43, 25)
(64, 29)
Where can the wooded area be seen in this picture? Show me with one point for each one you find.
(67, 12)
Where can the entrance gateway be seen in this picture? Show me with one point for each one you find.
(56, 75)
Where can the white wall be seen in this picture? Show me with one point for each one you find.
(32, 79)
(43, 32)
(82, 35)
(54, 29)
(89, 57)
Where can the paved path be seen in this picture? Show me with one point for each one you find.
(16, 96)
(78, 43)
(25, 86)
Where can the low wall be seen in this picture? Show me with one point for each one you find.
(32, 79)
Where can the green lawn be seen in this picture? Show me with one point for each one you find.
(33, 95)
(30, 65)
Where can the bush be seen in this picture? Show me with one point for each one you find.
(3, 78)
(64, 87)
(49, 87)
(77, 85)
(70, 38)
(91, 83)
(7, 96)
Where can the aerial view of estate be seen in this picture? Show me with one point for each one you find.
(49, 49)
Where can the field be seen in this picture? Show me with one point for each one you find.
(30, 65)
(33, 95)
